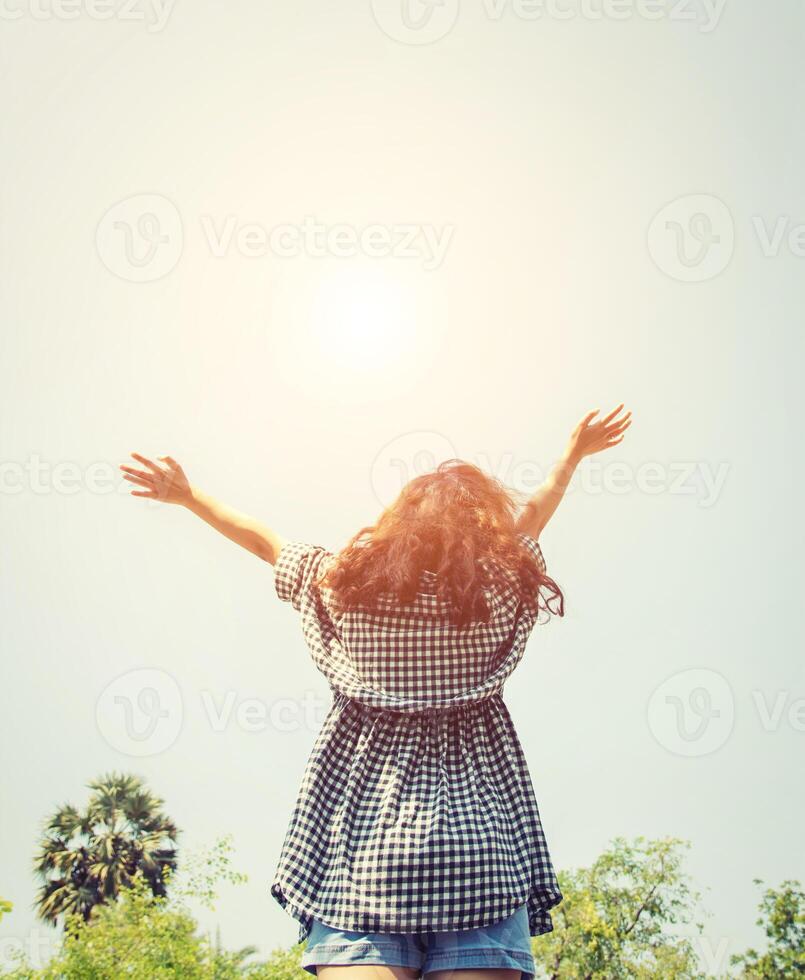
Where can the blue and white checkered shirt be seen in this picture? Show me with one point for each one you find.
(416, 810)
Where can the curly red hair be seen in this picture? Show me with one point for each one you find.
(457, 522)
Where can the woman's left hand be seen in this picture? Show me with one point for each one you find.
(592, 437)
(167, 483)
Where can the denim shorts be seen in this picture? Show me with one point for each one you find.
(506, 945)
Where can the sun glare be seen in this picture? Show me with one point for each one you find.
(363, 319)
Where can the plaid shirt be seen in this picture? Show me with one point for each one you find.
(416, 810)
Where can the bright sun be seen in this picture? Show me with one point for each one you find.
(362, 318)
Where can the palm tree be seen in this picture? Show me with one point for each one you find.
(86, 858)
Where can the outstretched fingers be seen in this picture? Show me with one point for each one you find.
(142, 481)
(164, 480)
(617, 434)
(617, 424)
(142, 474)
(612, 414)
(158, 470)
(150, 478)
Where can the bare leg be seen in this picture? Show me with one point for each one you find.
(474, 974)
(368, 971)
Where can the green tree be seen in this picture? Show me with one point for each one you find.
(136, 936)
(88, 857)
(619, 917)
(143, 936)
(782, 916)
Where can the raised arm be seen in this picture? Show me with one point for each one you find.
(169, 484)
(587, 438)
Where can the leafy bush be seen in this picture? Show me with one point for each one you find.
(619, 919)
(142, 936)
(782, 916)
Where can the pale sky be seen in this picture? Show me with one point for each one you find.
(308, 255)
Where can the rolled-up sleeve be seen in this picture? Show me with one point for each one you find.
(533, 547)
(296, 569)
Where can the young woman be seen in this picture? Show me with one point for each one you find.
(415, 845)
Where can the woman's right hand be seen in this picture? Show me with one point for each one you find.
(167, 483)
(593, 437)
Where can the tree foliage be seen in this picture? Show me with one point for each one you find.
(626, 917)
(89, 856)
(782, 917)
(620, 918)
(143, 936)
